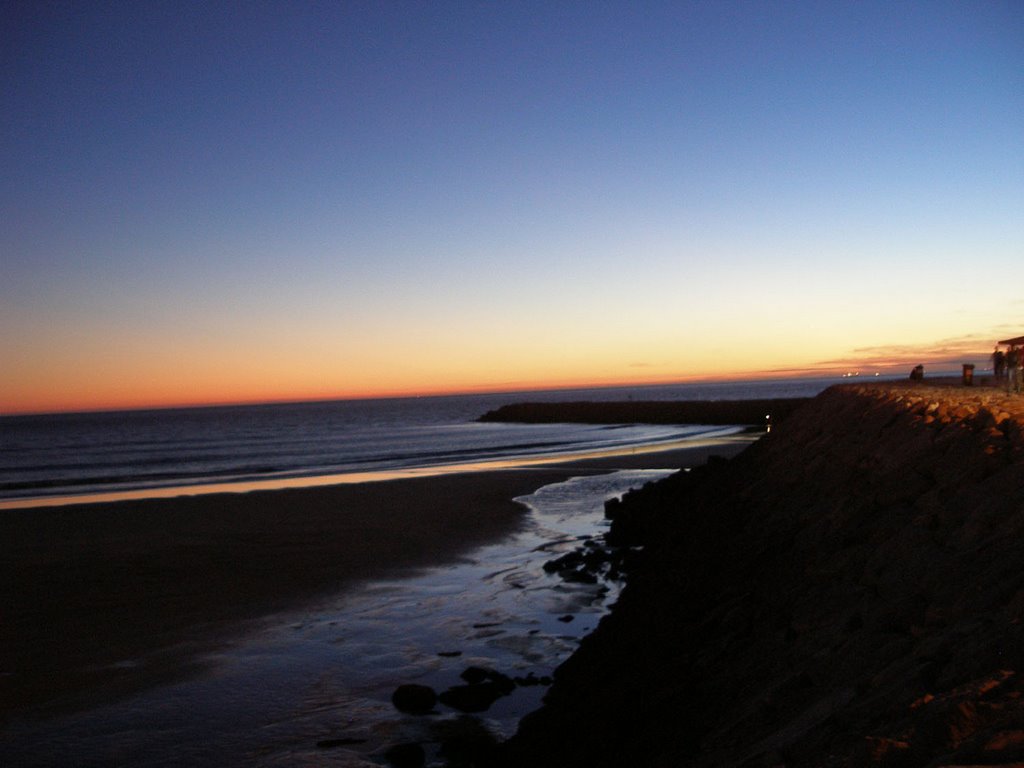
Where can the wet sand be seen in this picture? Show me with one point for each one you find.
(99, 600)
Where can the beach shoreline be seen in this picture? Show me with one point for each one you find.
(610, 457)
(104, 599)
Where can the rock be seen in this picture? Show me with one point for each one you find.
(505, 683)
(568, 561)
(595, 557)
(406, 756)
(414, 699)
(475, 675)
(472, 698)
(581, 576)
(464, 741)
(1004, 741)
(484, 687)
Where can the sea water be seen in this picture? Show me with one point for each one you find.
(78, 453)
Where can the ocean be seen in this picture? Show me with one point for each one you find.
(70, 454)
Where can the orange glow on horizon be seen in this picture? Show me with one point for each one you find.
(150, 400)
(167, 373)
(111, 398)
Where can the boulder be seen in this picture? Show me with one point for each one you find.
(414, 699)
(406, 756)
(472, 698)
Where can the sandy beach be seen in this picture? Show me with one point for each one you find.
(103, 599)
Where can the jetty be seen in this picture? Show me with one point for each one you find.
(717, 412)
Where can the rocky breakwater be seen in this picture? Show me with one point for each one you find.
(748, 412)
(848, 591)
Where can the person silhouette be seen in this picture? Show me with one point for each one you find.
(998, 364)
(1013, 370)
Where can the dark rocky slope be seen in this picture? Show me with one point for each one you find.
(848, 591)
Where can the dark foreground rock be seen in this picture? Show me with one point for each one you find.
(414, 699)
(483, 688)
(849, 591)
(406, 756)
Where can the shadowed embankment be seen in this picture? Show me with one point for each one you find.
(848, 591)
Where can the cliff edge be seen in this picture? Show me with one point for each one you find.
(848, 591)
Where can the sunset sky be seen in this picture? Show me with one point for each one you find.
(242, 201)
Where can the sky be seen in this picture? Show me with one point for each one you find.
(257, 201)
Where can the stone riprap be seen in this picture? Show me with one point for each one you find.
(848, 591)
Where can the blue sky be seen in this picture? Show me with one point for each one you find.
(275, 200)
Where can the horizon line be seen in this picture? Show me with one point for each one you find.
(823, 370)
